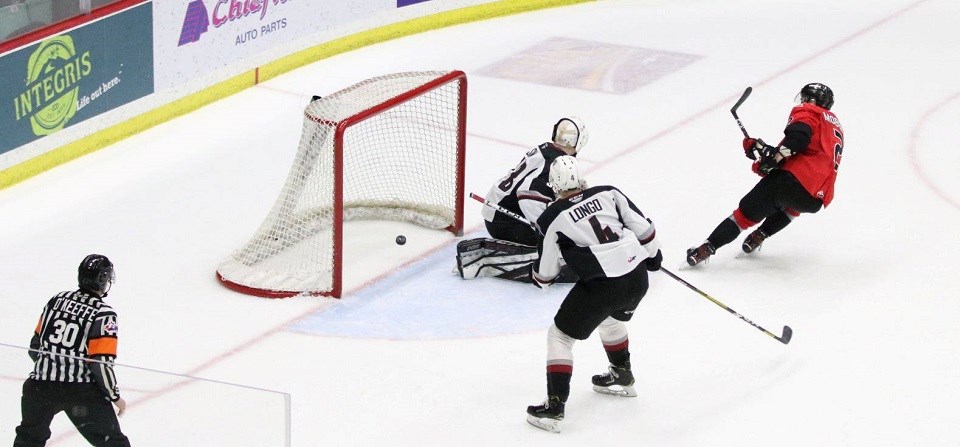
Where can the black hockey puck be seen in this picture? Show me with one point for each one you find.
(401, 240)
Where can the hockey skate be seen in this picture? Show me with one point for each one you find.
(618, 381)
(753, 241)
(701, 254)
(546, 416)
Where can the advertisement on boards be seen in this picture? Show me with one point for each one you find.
(197, 37)
(71, 77)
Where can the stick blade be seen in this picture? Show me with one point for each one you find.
(787, 335)
(743, 97)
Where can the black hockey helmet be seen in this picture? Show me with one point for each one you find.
(96, 274)
(819, 93)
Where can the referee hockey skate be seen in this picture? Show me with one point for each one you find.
(617, 381)
(546, 416)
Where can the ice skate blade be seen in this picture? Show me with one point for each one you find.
(548, 424)
(625, 391)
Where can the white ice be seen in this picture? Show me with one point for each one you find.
(414, 356)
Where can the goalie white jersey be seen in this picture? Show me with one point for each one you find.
(524, 189)
(598, 232)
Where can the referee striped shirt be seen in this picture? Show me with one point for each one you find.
(76, 326)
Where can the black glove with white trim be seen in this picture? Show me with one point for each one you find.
(653, 264)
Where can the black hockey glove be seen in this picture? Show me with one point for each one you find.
(768, 161)
(653, 264)
(751, 146)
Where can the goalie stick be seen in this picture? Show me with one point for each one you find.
(787, 331)
(500, 209)
(733, 110)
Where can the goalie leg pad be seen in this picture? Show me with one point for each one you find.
(484, 257)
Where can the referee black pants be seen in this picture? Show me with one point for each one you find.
(84, 404)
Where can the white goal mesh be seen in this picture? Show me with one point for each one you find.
(390, 147)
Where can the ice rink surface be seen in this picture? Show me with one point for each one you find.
(414, 356)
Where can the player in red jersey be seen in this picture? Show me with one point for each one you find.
(797, 175)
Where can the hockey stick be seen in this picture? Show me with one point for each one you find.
(733, 110)
(500, 209)
(787, 332)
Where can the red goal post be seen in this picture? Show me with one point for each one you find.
(388, 148)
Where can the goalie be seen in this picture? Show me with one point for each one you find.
(524, 192)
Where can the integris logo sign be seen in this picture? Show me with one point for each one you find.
(63, 80)
(52, 89)
(198, 18)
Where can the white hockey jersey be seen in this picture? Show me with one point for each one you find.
(524, 189)
(598, 232)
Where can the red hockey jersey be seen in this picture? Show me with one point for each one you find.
(816, 168)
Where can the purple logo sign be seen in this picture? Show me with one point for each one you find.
(402, 3)
(198, 18)
(195, 23)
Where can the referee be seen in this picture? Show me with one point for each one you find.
(73, 349)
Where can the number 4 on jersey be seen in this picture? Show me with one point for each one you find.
(604, 234)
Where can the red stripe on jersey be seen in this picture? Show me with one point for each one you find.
(538, 198)
(616, 347)
(742, 220)
(647, 240)
(566, 369)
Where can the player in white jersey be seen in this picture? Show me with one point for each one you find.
(73, 349)
(609, 243)
(524, 192)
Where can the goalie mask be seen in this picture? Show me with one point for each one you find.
(96, 274)
(819, 93)
(565, 175)
(570, 132)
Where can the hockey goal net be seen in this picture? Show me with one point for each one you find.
(388, 148)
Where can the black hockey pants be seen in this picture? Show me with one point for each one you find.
(592, 301)
(513, 231)
(777, 191)
(768, 201)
